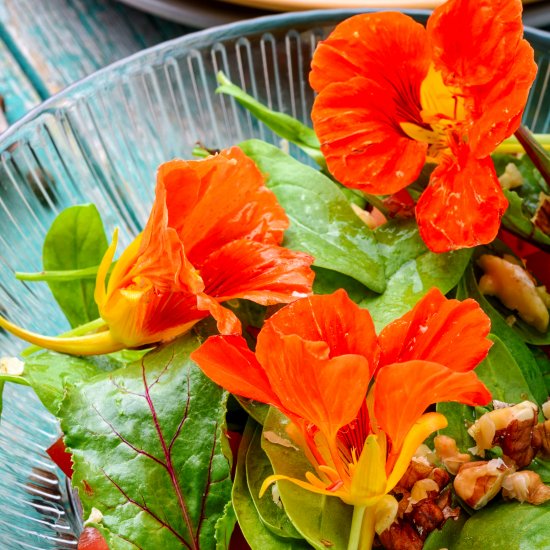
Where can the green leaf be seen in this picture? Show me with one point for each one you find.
(445, 537)
(225, 526)
(516, 220)
(322, 520)
(468, 288)
(543, 361)
(255, 532)
(147, 452)
(282, 124)
(327, 281)
(510, 526)
(76, 240)
(413, 280)
(502, 375)
(542, 467)
(322, 222)
(258, 468)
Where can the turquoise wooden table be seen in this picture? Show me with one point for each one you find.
(45, 45)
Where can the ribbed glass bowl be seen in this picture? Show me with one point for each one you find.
(101, 141)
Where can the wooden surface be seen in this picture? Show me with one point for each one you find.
(46, 45)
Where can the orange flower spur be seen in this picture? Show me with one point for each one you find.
(356, 400)
(213, 235)
(393, 95)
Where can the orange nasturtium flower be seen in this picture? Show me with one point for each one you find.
(213, 235)
(357, 400)
(393, 95)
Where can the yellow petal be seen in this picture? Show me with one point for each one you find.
(107, 260)
(423, 427)
(368, 483)
(303, 484)
(91, 344)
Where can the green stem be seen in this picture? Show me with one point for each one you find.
(356, 527)
(81, 330)
(367, 529)
(61, 275)
(512, 145)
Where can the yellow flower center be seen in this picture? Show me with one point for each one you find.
(443, 112)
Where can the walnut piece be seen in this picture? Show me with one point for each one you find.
(525, 486)
(448, 453)
(478, 482)
(509, 427)
(401, 536)
(513, 286)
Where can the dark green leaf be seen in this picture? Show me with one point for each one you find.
(543, 361)
(282, 124)
(147, 451)
(412, 281)
(468, 288)
(258, 468)
(445, 537)
(542, 467)
(504, 378)
(322, 520)
(327, 282)
(509, 526)
(75, 240)
(322, 222)
(255, 532)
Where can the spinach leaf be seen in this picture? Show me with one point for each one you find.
(324, 521)
(147, 450)
(76, 240)
(322, 222)
(257, 534)
(511, 525)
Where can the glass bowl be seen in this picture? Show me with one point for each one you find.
(100, 141)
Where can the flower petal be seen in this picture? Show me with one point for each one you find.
(461, 206)
(426, 425)
(228, 361)
(357, 123)
(386, 47)
(443, 331)
(264, 273)
(334, 319)
(473, 40)
(220, 199)
(403, 391)
(499, 105)
(368, 74)
(309, 383)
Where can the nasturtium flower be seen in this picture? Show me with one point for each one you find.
(356, 400)
(393, 95)
(214, 234)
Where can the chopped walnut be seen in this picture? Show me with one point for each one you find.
(478, 482)
(541, 219)
(401, 536)
(418, 469)
(448, 453)
(423, 489)
(513, 286)
(541, 438)
(525, 486)
(427, 516)
(509, 427)
(546, 410)
(511, 177)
